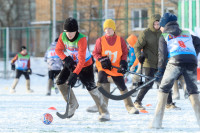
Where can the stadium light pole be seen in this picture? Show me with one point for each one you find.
(54, 20)
(162, 7)
(106, 9)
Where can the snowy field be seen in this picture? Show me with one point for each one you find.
(22, 112)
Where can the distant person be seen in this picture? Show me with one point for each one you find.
(54, 66)
(134, 64)
(22, 63)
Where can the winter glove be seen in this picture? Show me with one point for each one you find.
(123, 67)
(132, 68)
(141, 58)
(13, 66)
(159, 75)
(72, 79)
(69, 63)
(105, 62)
(29, 71)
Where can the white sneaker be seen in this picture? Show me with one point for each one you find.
(104, 117)
(92, 109)
(29, 91)
(12, 90)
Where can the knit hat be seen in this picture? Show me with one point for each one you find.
(23, 47)
(109, 23)
(132, 39)
(167, 17)
(70, 25)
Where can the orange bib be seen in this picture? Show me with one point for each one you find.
(114, 53)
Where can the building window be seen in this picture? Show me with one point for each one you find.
(110, 15)
(139, 19)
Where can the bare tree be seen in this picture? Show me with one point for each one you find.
(174, 2)
(9, 13)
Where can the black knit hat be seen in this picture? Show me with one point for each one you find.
(23, 47)
(70, 25)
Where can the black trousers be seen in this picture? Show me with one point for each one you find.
(53, 73)
(20, 72)
(86, 76)
(149, 72)
(118, 80)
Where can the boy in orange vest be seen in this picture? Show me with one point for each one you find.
(111, 50)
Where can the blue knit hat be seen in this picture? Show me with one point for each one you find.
(167, 17)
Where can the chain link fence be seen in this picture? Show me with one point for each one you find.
(36, 39)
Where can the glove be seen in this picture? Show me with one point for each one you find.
(159, 75)
(69, 63)
(13, 66)
(72, 79)
(29, 71)
(105, 62)
(123, 67)
(141, 58)
(132, 68)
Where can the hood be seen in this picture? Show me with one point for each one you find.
(172, 28)
(153, 18)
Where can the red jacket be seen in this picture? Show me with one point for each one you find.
(82, 44)
(111, 41)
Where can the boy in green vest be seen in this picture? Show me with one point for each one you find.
(22, 63)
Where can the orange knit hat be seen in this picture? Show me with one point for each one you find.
(132, 39)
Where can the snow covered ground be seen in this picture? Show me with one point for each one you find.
(22, 112)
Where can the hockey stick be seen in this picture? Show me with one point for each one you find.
(41, 75)
(113, 90)
(124, 96)
(140, 83)
(65, 115)
(134, 73)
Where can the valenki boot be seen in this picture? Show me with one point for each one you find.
(73, 103)
(12, 90)
(101, 105)
(50, 84)
(94, 109)
(129, 104)
(194, 99)
(28, 87)
(159, 113)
